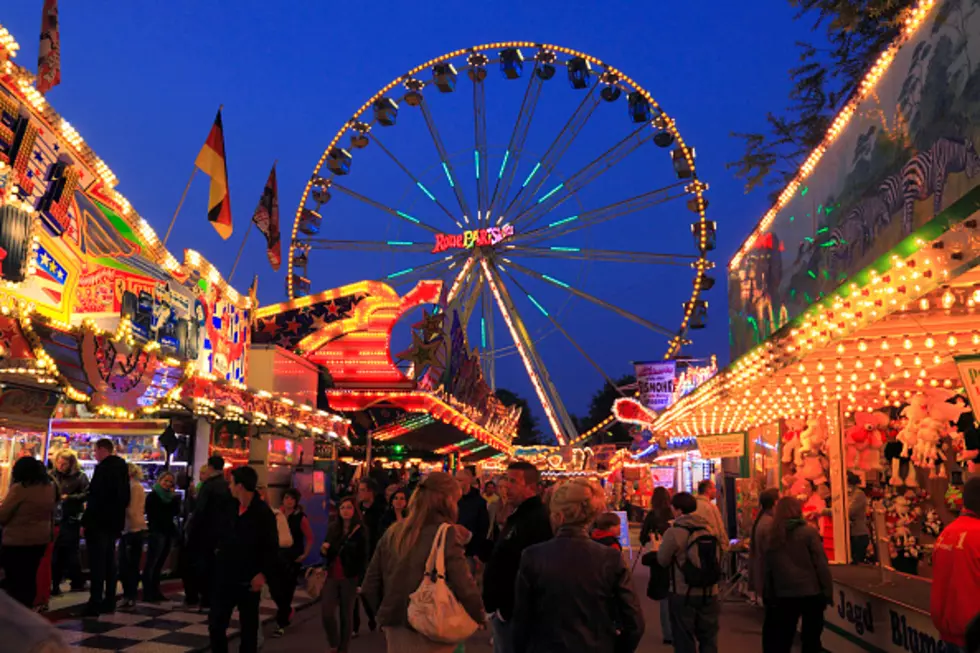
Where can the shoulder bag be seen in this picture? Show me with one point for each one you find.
(433, 609)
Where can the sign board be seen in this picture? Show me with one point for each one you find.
(722, 446)
(969, 369)
(655, 382)
(663, 476)
(881, 625)
(474, 238)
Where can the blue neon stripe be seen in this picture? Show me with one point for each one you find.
(400, 242)
(476, 162)
(398, 274)
(504, 164)
(566, 249)
(483, 331)
(555, 281)
(551, 192)
(540, 307)
(426, 191)
(563, 221)
(533, 172)
(407, 216)
(449, 177)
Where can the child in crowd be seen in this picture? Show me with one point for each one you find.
(607, 530)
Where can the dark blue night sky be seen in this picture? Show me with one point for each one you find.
(141, 83)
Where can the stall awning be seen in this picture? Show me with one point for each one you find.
(110, 427)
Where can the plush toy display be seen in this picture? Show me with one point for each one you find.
(812, 441)
(797, 486)
(864, 442)
(791, 441)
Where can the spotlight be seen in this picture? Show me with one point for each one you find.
(338, 161)
(386, 111)
(511, 63)
(444, 75)
(579, 72)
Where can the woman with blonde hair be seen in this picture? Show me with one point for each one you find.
(72, 485)
(398, 565)
(134, 535)
(593, 609)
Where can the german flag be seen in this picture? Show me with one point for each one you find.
(211, 161)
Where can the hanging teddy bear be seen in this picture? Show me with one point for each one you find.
(930, 449)
(912, 415)
(791, 441)
(864, 442)
(812, 441)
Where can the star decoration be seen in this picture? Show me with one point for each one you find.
(293, 326)
(431, 326)
(319, 322)
(332, 308)
(421, 353)
(269, 326)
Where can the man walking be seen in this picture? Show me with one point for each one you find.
(103, 521)
(955, 597)
(213, 510)
(528, 524)
(691, 551)
(473, 516)
(245, 559)
(372, 513)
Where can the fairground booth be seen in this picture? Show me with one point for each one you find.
(105, 333)
(855, 330)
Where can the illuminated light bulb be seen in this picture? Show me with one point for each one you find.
(975, 338)
(917, 361)
(930, 343)
(840, 348)
(948, 299)
(858, 364)
(884, 345)
(951, 341)
(923, 303)
(862, 346)
(897, 362)
(976, 295)
(907, 343)
(878, 363)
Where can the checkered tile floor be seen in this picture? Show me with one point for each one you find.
(153, 628)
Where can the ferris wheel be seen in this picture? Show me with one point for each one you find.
(509, 208)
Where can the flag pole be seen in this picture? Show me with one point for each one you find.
(183, 196)
(241, 249)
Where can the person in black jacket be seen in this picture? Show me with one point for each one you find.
(527, 525)
(213, 510)
(474, 517)
(345, 552)
(104, 518)
(246, 557)
(73, 489)
(592, 608)
(372, 510)
(162, 508)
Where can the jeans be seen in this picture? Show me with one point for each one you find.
(157, 549)
(20, 565)
(503, 635)
(226, 598)
(102, 565)
(285, 587)
(359, 602)
(694, 622)
(665, 620)
(65, 560)
(130, 556)
(859, 548)
(339, 597)
(782, 615)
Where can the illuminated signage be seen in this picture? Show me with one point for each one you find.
(474, 238)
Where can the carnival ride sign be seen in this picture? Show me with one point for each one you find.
(731, 445)
(655, 382)
(473, 238)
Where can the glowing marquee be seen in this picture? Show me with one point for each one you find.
(474, 238)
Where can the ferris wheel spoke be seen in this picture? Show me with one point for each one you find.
(512, 155)
(656, 328)
(592, 171)
(558, 418)
(472, 296)
(605, 255)
(416, 180)
(410, 275)
(533, 182)
(401, 215)
(487, 340)
(480, 160)
(593, 217)
(447, 165)
(368, 245)
(565, 333)
(459, 281)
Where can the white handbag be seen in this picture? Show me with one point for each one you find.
(433, 610)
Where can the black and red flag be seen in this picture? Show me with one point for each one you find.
(211, 161)
(266, 218)
(49, 52)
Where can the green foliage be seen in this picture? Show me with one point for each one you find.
(528, 433)
(854, 32)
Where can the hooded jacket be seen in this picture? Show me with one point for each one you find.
(799, 568)
(955, 596)
(673, 551)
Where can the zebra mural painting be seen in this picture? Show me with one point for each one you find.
(858, 229)
(926, 173)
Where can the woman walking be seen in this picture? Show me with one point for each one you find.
(797, 581)
(134, 535)
(399, 565)
(162, 510)
(655, 524)
(759, 541)
(397, 509)
(345, 551)
(291, 557)
(593, 609)
(26, 515)
(72, 489)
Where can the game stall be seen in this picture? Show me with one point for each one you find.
(854, 335)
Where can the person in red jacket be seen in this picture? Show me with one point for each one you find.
(956, 572)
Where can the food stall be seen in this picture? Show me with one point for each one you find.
(853, 327)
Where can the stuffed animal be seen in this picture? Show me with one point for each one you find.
(812, 441)
(927, 453)
(796, 486)
(791, 441)
(864, 442)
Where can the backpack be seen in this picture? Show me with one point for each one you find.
(702, 564)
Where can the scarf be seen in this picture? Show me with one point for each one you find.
(165, 495)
